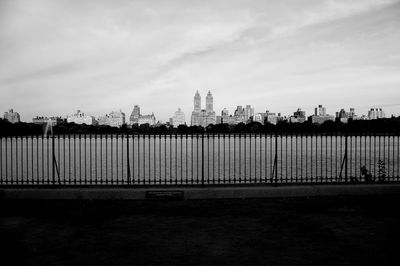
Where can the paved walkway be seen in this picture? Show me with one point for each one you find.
(226, 192)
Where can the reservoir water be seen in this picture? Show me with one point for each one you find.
(192, 159)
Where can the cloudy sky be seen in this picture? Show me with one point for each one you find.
(99, 56)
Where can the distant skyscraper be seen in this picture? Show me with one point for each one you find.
(197, 102)
(224, 112)
(298, 117)
(320, 111)
(240, 115)
(139, 119)
(178, 118)
(11, 116)
(134, 118)
(201, 117)
(320, 116)
(249, 112)
(209, 103)
(376, 113)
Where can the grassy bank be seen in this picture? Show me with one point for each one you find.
(302, 231)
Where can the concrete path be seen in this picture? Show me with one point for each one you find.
(106, 193)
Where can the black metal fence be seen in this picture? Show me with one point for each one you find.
(202, 159)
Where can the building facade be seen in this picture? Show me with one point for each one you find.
(40, 120)
(139, 119)
(376, 113)
(147, 119)
(178, 118)
(113, 119)
(81, 118)
(203, 117)
(12, 117)
(320, 111)
(298, 117)
(134, 118)
(320, 116)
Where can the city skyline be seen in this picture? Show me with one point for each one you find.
(277, 55)
(208, 114)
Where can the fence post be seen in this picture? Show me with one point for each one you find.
(202, 159)
(128, 171)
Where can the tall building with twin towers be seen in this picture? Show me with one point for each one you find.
(203, 117)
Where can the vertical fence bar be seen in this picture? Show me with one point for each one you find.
(22, 161)
(100, 158)
(149, 156)
(234, 158)
(276, 157)
(346, 153)
(186, 159)
(208, 159)
(16, 160)
(138, 154)
(240, 155)
(53, 153)
(154, 159)
(165, 158)
(213, 160)
(111, 158)
(306, 175)
(32, 171)
(159, 159)
(265, 157)
(202, 159)
(128, 167)
(116, 158)
(260, 158)
(7, 175)
(133, 159)
(223, 157)
(176, 158)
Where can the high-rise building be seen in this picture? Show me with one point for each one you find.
(240, 115)
(203, 117)
(298, 117)
(197, 102)
(249, 112)
(11, 116)
(114, 119)
(81, 118)
(178, 118)
(320, 116)
(139, 119)
(209, 103)
(376, 113)
(320, 111)
(135, 115)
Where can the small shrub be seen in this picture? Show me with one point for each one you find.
(366, 174)
(382, 171)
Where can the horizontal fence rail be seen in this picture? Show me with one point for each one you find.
(202, 159)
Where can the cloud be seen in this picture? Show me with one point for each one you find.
(100, 56)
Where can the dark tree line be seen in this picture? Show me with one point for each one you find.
(388, 125)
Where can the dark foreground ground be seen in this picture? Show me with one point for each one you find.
(296, 231)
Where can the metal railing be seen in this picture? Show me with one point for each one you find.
(198, 159)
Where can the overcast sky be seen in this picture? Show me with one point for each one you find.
(99, 56)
